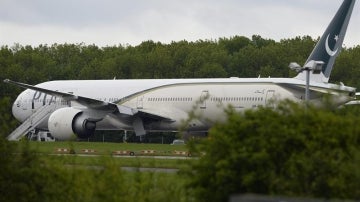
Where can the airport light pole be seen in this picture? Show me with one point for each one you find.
(307, 90)
(312, 66)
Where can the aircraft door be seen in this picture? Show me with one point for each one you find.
(204, 96)
(140, 102)
(35, 100)
(270, 97)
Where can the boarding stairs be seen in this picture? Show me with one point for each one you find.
(30, 124)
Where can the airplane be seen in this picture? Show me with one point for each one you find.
(76, 108)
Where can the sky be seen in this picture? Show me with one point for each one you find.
(130, 22)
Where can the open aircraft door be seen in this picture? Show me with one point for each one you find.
(140, 102)
(270, 98)
(203, 98)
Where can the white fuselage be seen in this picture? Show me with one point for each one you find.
(176, 98)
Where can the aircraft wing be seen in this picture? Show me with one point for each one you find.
(89, 102)
(95, 104)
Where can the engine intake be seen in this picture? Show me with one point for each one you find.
(83, 126)
(65, 122)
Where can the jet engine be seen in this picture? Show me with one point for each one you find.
(65, 122)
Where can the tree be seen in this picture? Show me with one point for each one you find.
(211, 70)
(346, 68)
(234, 44)
(7, 123)
(287, 151)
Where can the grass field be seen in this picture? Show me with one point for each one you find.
(40, 173)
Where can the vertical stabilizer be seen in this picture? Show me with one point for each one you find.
(330, 43)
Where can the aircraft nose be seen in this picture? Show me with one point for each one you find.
(19, 109)
(16, 110)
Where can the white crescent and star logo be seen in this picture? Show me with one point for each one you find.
(328, 50)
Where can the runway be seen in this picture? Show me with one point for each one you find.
(159, 170)
(157, 157)
(126, 168)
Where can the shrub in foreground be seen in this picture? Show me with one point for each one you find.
(288, 151)
(25, 176)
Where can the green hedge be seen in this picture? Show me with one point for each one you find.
(288, 152)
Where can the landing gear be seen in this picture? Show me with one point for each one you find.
(41, 136)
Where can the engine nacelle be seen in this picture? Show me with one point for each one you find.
(65, 122)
